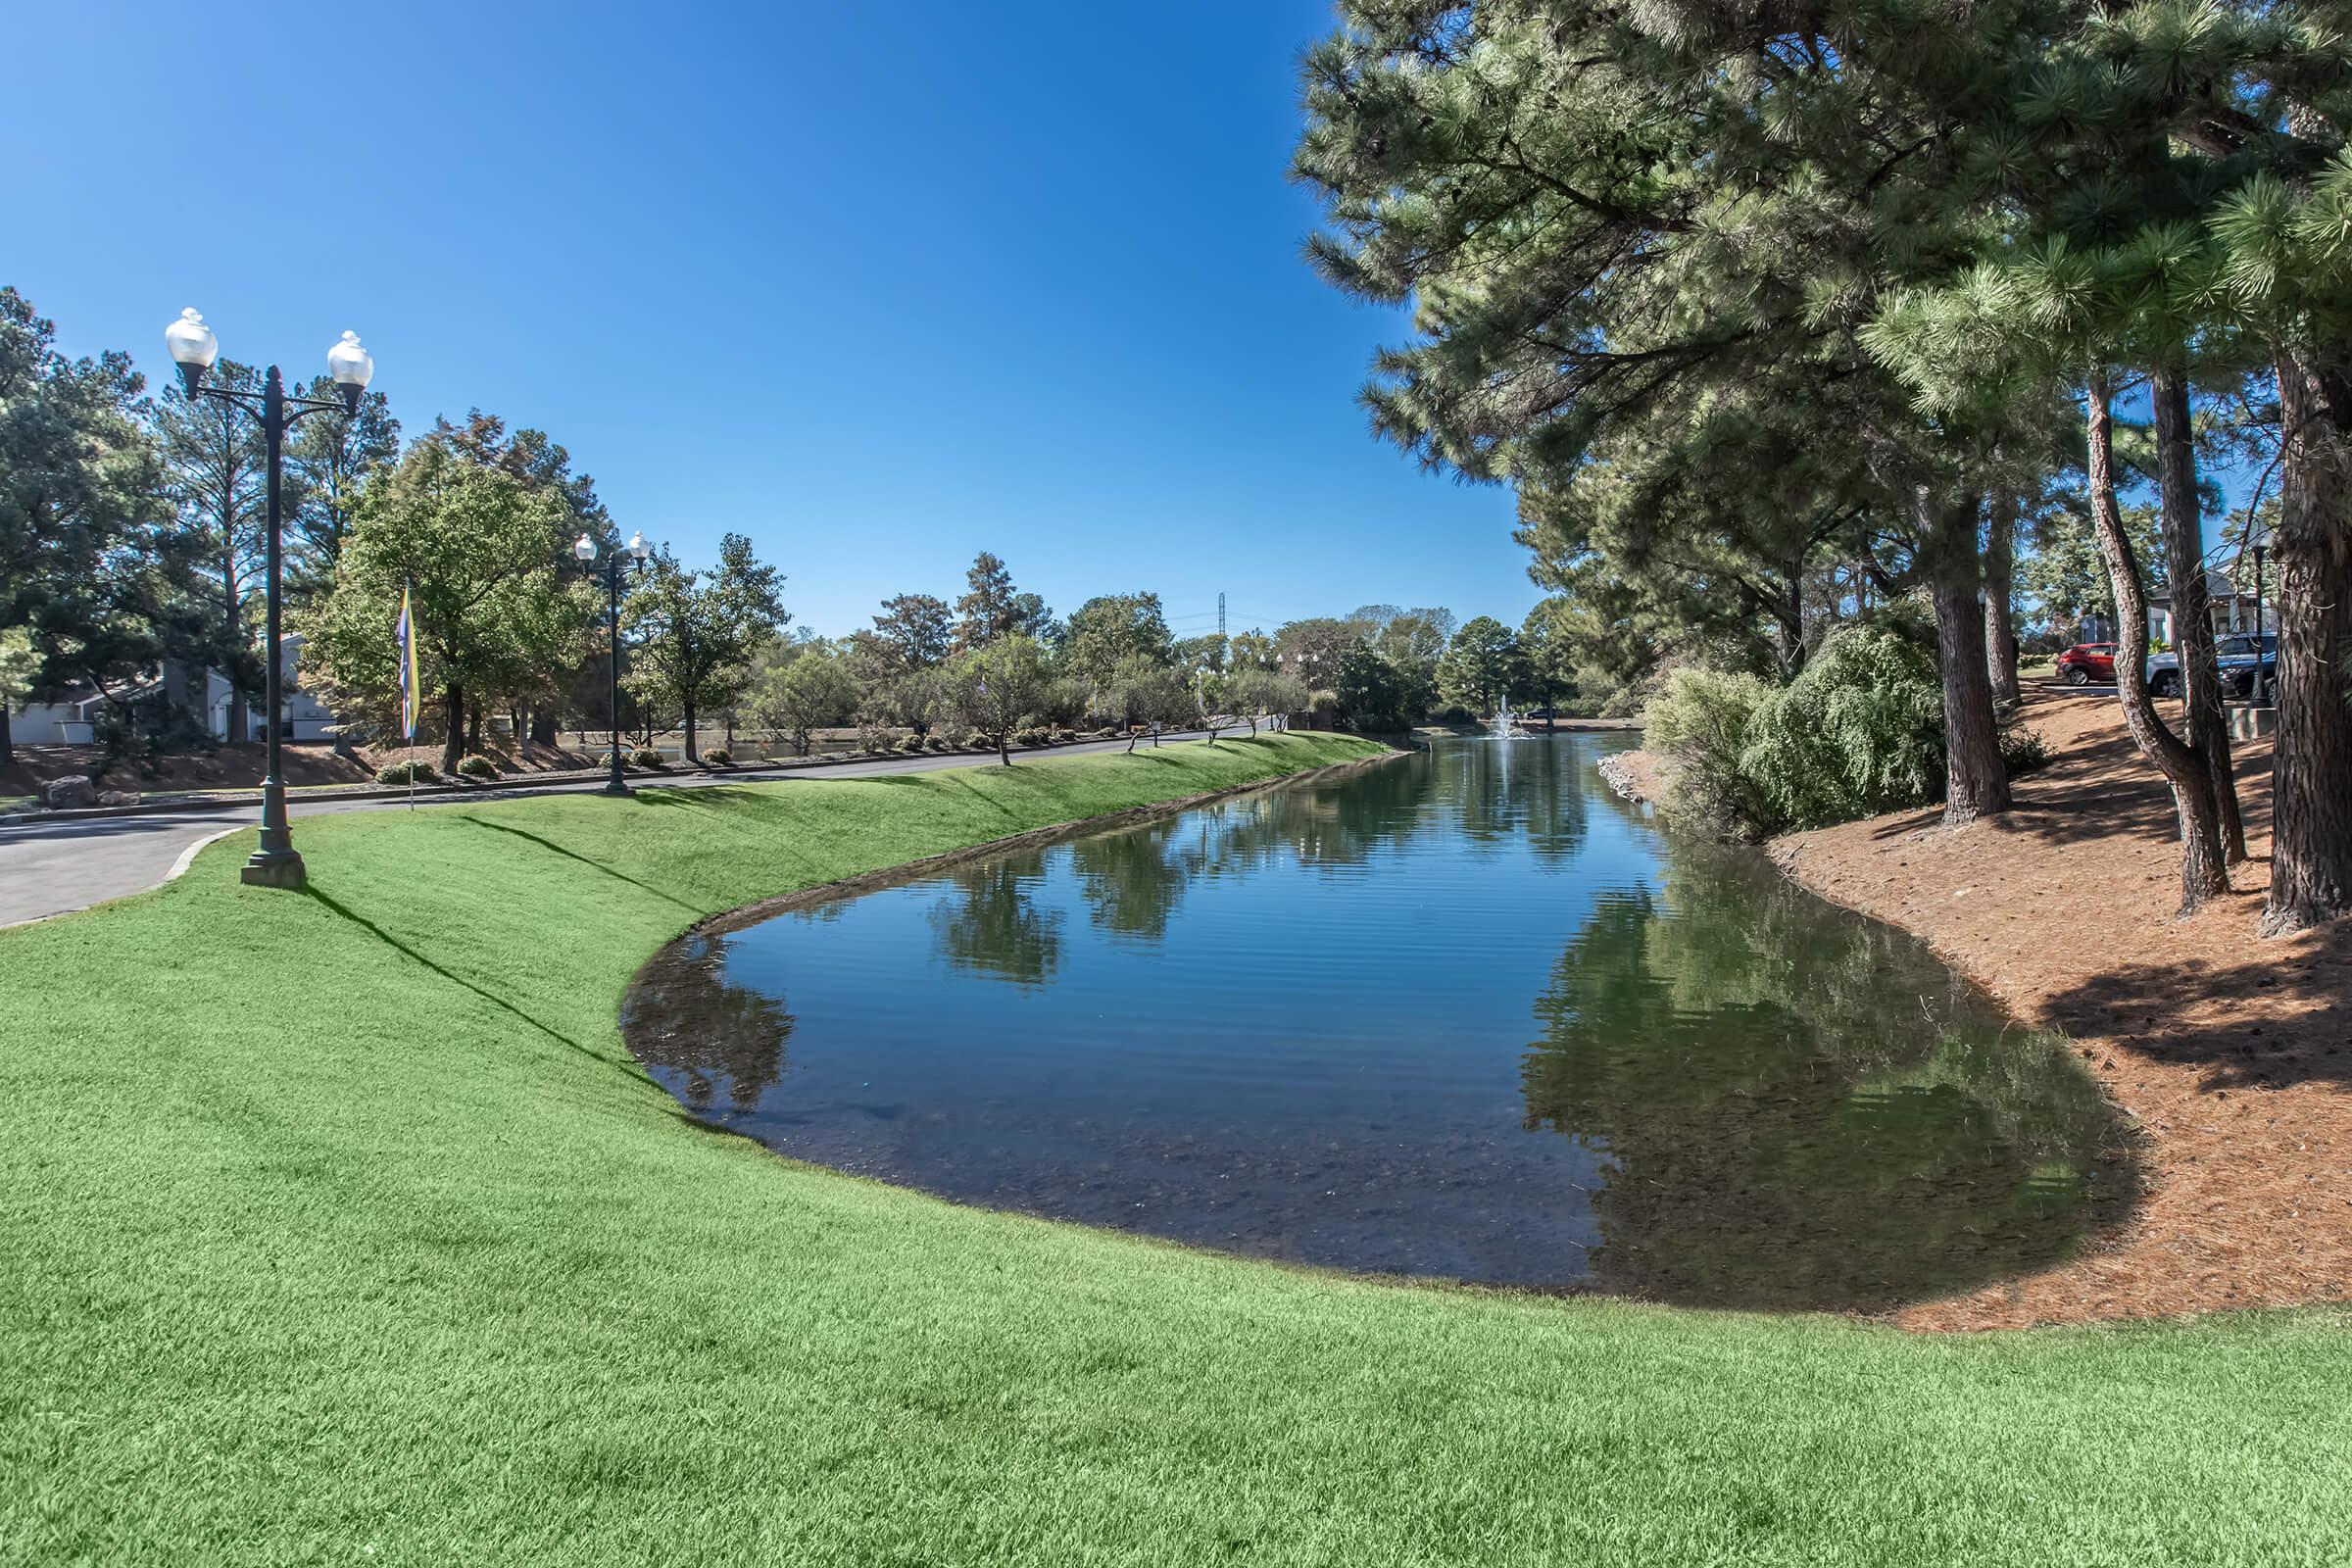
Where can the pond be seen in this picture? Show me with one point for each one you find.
(1464, 1014)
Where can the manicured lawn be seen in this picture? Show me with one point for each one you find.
(342, 1228)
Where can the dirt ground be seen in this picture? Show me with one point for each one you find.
(2232, 1054)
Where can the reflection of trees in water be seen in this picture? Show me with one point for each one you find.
(1513, 791)
(683, 1018)
(1133, 879)
(1798, 1110)
(991, 923)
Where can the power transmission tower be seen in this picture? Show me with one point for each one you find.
(1220, 617)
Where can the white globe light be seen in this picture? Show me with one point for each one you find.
(584, 550)
(638, 546)
(348, 363)
(191, 342)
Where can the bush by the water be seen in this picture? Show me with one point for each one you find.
(408, 773)
(478, 767)
(1701, 721)
(646, 757)
(910, 742)
(1859, 731)
(718, 757)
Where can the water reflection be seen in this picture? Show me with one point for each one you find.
(993, 926)
(1780, 1130)
(707, 1037)
(1299, 1024)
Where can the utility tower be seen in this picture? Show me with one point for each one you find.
(1220, 617)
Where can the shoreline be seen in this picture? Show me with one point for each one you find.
(2226, 1053)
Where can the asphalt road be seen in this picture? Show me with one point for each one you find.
(51, 868)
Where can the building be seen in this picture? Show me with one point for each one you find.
(2229, 608)
(69, 717)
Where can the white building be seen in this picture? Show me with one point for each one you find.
(70, 718)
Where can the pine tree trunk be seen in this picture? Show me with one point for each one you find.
(453, 716)
(543, 726)
(1976, 780)
(2203, 874)
(692, 755)
(2000, 572)
(2192, 611)
(2310, 790)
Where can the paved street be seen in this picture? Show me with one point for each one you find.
(51, 868)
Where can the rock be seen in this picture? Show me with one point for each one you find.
(71, 793)
(118, 797)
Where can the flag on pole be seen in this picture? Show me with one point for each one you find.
(405, 631)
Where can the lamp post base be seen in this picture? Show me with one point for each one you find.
(613, 786)
(281, 868)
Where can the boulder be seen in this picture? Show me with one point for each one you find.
(71, 793)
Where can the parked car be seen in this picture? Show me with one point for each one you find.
(2244, 660)
(2086, 662)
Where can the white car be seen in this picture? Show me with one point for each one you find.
(2243, 656)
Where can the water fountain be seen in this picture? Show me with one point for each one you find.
(1500, 729)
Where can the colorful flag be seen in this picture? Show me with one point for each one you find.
(405, 631)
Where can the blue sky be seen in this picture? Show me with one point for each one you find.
(878, 285)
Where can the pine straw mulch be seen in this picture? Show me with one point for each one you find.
(2233, 1055)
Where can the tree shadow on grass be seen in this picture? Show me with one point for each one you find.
(594, 866)
(500, 1002)
(703, 797)
(943, 778)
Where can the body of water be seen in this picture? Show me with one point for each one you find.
(1464, 1015)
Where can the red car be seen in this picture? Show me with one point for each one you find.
(2086, 662)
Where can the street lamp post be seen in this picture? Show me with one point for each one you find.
(583, 550)
(276, 863)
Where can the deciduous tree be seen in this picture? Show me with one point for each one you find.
(697, 633)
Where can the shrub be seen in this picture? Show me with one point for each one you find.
(646, 757)
(2023, 749)
(910, 742)
(478, 767)
(1031, 736)
(1701, 721)
(1858, 732)
(409, 774)
(1064, 737)
(718, 757)
(940, 742)
(1108, 732)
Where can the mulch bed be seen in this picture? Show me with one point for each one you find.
(2233, 1055)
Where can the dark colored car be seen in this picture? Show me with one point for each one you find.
(2245, 660)
(2086, 662)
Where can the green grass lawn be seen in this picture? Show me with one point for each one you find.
(342, 1228)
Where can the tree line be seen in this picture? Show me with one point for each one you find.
(1780, 316)
(131, 533)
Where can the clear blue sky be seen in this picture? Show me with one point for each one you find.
(880, 285)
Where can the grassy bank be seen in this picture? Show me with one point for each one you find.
(342, 1228)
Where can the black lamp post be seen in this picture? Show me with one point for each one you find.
(583, 550)
(2261, 549)
(276, 863)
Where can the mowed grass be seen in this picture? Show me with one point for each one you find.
(342, 1228)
